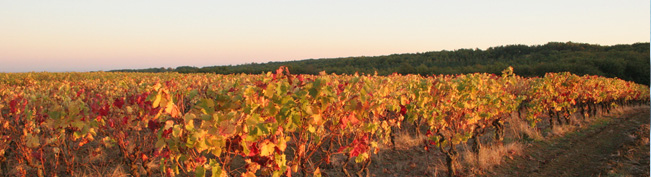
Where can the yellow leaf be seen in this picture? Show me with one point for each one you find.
(295, 168)
(317, 172)
(156, 101)
(189, 125)
(267, 148)
(248, 174)
(361, 158)
(252, 167)
(171, 109)
(168, 124)
(282, 143)
(317, 119)
(129, 109)
(157, 86)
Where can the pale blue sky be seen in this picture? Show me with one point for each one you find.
(68, 35)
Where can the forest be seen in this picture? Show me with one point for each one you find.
(626, 61)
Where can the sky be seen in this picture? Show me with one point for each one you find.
(67, 35)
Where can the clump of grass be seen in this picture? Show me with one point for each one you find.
(522, 130)
(117, 171)
(560, 130)
(406, 141)
(491, 156)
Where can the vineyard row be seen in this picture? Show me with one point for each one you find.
(277, 123)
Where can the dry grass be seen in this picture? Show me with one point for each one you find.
(408, 159)
(490, 156)
(520, 129)
(406, 141)
(118, 171)
(560, 130)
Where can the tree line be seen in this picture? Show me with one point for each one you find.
(626, 61)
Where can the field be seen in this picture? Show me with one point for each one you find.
(282, 124)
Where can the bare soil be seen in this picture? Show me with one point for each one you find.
(615, 145)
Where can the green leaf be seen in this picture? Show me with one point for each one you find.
(176, 131)
(32, 141)
(76, 135)
(108, 142)
(160, 143)
(200, 171)
(263, 129)
(361, 158)
(189, 116)
(193, 93)
(215, 168)
(182, 159)
(78, 124)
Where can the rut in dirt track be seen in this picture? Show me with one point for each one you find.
(583, 153)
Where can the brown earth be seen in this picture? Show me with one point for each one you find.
(615, 145)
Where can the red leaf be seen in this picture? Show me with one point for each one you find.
(118, 102)
(104, 110)
(153, 125)
(280, 70)
(12, 106)
(359, 145)
(125, 120)
(165, 153)
(403, 110)
(351, 118)
(300, 78)
(433, 142)
(261, 85)
(36, 154)
(263, 161)
(80, 92)
(270, 120)
(111, 123)
(166, 133)
(200, 160)
(342, 148)
(253, 150)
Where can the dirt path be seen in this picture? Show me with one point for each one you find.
(617, 145)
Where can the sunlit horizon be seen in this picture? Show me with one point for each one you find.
(81, 36)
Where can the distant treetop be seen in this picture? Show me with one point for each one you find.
(625, 61)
